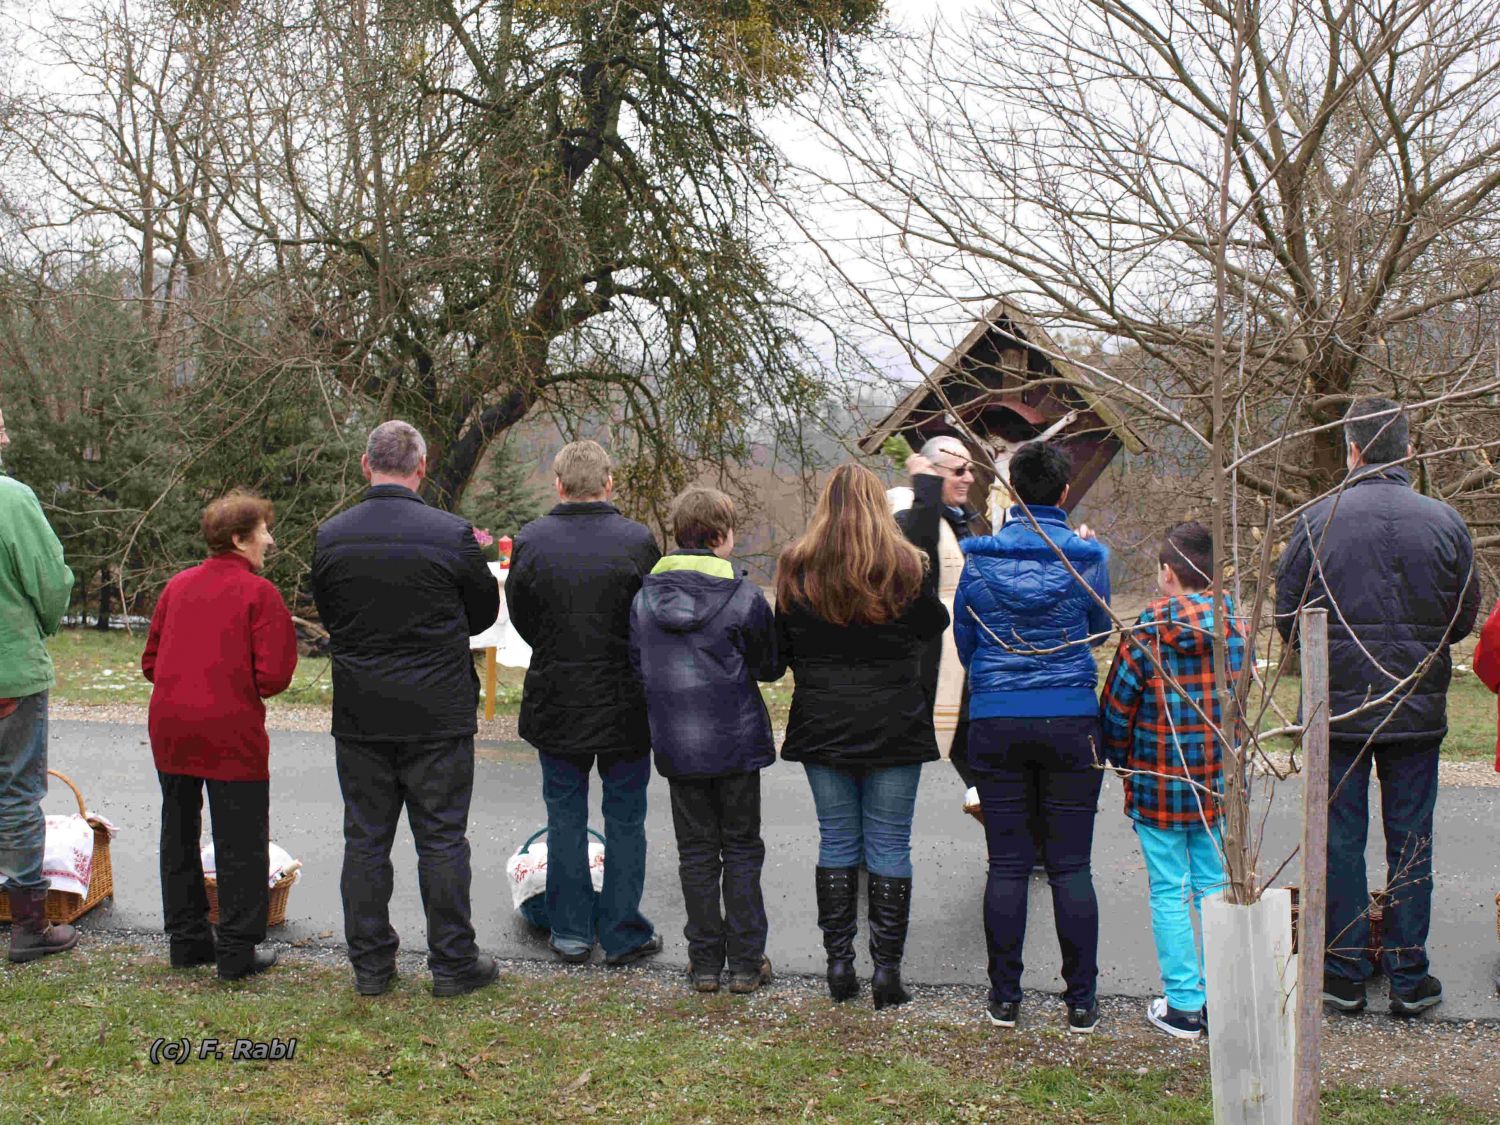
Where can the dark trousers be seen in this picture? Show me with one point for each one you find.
(1012, 758)
(718, 842)
(1408, 792)
(618, 921)
(241, 812)
(433, 781)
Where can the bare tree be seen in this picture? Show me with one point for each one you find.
(472, 213)
(1253, 213)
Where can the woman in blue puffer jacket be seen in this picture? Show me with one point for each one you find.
(1025, 627)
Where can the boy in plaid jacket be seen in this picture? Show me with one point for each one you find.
(1155, 733)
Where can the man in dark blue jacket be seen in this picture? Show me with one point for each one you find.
(700, 638)
(573, 573)
(1395, 570)
(401, 587)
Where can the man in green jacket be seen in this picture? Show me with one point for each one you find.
(35, 586)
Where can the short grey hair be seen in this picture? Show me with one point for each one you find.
(1380, 428)
(944, 443)
(395, 449)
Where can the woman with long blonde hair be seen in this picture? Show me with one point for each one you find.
(853, 612)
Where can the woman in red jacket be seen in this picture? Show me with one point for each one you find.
(221, 641)
(1487, 661)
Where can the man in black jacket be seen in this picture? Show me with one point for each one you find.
(1395, 571)
(401, 587)
(573, 575)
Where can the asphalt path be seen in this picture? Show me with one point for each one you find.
(112, 764)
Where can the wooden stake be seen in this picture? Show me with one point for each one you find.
(1313, 629)
(491, 658)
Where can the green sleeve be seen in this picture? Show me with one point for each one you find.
(44, 578)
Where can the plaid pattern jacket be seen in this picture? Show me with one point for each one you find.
(1152, 727)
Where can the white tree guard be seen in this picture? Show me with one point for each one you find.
(1251, 974)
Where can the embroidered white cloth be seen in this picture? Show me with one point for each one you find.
(282, 862)
(68, 853)
(527, 871)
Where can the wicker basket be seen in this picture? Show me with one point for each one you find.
(280, 891)
(63, 906)
(1377, 924)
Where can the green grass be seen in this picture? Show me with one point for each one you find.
(95, 668)
(572, 1046)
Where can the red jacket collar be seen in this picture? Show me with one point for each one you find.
(230, 558)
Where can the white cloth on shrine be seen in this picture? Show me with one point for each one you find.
(510, 649)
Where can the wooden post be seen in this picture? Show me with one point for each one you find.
(1313, 629)
(490, 660)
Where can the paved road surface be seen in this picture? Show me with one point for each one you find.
(112, 763)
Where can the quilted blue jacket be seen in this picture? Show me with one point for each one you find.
(1023, 662)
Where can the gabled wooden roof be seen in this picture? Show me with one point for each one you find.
(975, 384)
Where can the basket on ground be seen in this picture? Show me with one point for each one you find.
(527, 872)
(1377, 925)
(64, 906)
(281, 890)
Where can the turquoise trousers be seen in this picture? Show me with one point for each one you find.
(1183, 865)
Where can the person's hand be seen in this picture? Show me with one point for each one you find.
(1085, 532)
(917, 466)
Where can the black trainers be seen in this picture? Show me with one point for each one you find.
(374, 984)
(238, 968)
(1427, 994)
(1344, 995)
(1004, 1015)
(1176, 1023)
(1083, 1020)
(648, 948)
(191, 954)
(744, 983)
(484, 972)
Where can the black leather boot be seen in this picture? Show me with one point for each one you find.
(890, 910)
(838, 902)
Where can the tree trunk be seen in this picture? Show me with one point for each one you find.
(457, 454)
(106, 597)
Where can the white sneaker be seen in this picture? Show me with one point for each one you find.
(971, 801)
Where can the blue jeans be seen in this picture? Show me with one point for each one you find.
(1012, 759)
(864, 816)
(23, 784)
(1408, 792)
(1183, 865)
(619, 924)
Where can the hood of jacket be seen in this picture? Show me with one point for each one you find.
(1186, 623)
(1021, 570)
(688, 589)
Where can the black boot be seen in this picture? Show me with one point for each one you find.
(890, 910)
(838, 901)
